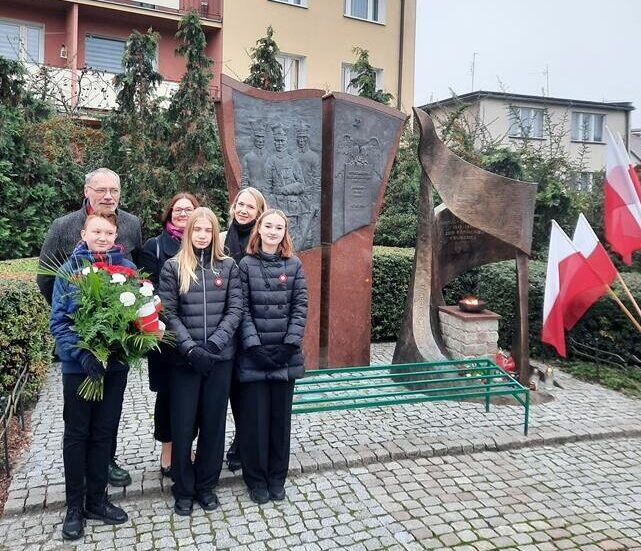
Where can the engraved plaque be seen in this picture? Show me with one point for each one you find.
(364, 137)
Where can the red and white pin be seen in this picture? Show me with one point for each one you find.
(282, 278)
(218, 281)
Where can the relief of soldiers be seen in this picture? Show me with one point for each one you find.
(286, 186)
(309, 160)
(253, 163)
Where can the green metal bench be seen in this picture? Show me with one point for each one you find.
(347, 388)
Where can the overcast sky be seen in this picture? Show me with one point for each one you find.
(591, 48)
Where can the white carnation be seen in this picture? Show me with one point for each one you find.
(127, 298)
(118, 278)
(146, 289)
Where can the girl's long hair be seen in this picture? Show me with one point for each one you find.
(186, 257)
(285, 247)
(261, 203)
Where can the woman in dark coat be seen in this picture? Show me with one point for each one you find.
(203, 304)
(155, 252)
(274, 318)
(248, 205)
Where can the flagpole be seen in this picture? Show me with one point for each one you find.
(627, 312)
(627, 292)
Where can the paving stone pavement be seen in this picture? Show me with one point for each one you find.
(579, 411)
(581, 495)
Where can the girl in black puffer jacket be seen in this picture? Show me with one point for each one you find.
(201, 293)
(274, 317)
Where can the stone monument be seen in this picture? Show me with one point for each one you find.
(324, 160)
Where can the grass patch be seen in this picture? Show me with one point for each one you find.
(627, 381)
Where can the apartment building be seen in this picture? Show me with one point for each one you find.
(82, 41)
(513, 118)
(316, 39)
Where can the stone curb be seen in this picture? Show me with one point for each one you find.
(151, 484)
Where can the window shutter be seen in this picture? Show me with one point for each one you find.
(9, 40)
(104, 54)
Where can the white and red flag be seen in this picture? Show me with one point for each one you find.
(571, 287)
(622, 201)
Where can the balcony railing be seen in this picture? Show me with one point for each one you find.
(207, 9)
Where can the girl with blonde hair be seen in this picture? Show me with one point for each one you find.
(201, 293)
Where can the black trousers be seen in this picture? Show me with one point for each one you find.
(234, 402)
(198, 403)
(162, 416)
(88, 437)
(265, 428)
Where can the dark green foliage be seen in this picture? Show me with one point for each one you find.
(365, 79)
(396, 226)
(603, 326)
(265, 72)
(24, 330)
(196, 159)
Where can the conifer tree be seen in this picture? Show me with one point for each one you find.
(265, 72)
(365, 79)
(195, 147)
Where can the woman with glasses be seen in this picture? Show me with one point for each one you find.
(155, 252)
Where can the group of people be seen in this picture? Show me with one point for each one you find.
(236, 302)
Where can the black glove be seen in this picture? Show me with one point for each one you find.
(213, 348)
(91, 365)
(201, 360)
(283, 352)
(263, 357)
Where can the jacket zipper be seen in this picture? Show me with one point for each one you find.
(202, 271)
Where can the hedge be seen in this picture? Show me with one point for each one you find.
(24, 327)
(604, 325)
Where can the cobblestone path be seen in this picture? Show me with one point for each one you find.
(584, 495)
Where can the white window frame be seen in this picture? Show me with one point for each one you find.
(295, 3)
(584, 129)
(287, 62)
(347, 11)
(517, 114)
(23, 26)
(104, 37)
(584, 181)
(347, 70)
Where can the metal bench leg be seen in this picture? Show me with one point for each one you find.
(527, 412)
(487, 396)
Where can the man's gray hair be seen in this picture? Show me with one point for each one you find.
(98, 171)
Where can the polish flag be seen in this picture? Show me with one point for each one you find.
(631, 171)
(571, 287)
(588, 244)
(622, 201)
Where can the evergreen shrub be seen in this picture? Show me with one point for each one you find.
(24, 327)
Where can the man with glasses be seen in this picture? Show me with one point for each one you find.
(102, 191)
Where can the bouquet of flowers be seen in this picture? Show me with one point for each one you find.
(116, 319)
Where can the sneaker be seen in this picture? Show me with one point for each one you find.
(73, 527)
(107, 512)
(259, 495)
(208, 500)
(117, 475)
(184, 507)
(277, 493)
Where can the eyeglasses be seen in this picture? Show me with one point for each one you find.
(113, 191)
(186, 211)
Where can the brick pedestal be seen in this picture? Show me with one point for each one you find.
(469, 335)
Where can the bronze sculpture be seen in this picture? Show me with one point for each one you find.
(484, 218)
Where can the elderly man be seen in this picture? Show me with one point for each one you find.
(102, 191)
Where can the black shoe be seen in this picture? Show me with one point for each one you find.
(259, 495)
(117, 476)
(73, 527)
(184, 507)
(233, 458)
(107, 512)
(277, 493)
(208, 500)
